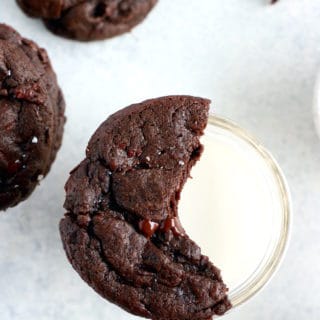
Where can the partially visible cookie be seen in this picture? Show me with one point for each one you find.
(122, 232)
(32, 116)
(87, 20)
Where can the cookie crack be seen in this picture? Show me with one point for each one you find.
(104, 259)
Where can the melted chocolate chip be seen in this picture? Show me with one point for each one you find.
(174, 225)
(148, 227)
(131, 153)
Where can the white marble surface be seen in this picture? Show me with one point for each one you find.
(257, 62)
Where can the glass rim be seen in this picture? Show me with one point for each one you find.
(261, 279)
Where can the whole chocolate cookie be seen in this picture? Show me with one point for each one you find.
(89, 19)
(32, 116)
(121, 231)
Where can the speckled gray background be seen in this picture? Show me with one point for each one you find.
(257, 62)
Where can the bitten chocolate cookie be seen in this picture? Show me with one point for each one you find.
(122, 232)
(32, 116)
(89, 19)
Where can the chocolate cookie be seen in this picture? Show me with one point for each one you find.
(89, 19)
(32, 116)
(122, 232)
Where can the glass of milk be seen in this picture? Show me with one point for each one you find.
(237, 208)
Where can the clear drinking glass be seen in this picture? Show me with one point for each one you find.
(237, 208)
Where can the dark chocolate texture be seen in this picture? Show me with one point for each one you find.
(87, 20)
(32, 116)
(121, 231)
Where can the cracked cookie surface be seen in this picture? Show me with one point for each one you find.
(87, 20)
(32, 116)
(121, 231)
